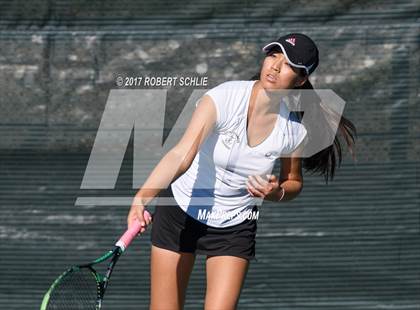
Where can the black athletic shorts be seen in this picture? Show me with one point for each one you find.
(173, 229)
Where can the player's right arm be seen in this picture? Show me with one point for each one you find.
(179, 158)
(201, 124)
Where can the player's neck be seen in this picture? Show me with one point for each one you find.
(264, 102)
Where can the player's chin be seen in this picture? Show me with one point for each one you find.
(273, 86)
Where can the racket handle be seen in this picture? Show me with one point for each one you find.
(131, 233)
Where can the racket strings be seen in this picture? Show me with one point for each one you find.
(77, 290)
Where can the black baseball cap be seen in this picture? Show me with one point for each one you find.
(299, 50)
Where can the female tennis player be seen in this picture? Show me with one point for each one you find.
(220, 168)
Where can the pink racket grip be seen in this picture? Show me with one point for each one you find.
(132, 232)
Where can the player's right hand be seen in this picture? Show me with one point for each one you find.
(137, 212)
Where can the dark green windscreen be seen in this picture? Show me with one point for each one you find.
(351, 244)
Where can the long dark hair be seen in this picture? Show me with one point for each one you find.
(325, 161)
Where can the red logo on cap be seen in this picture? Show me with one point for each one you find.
(291, 41)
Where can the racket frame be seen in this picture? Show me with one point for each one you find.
(102, 281)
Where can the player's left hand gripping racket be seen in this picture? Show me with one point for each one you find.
(81, 287)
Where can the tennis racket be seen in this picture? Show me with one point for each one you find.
(81, 286)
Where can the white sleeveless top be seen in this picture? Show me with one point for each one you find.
(213, 190)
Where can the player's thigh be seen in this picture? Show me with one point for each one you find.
(170, 272)
(225, 277)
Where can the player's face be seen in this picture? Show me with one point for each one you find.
(277, 73)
